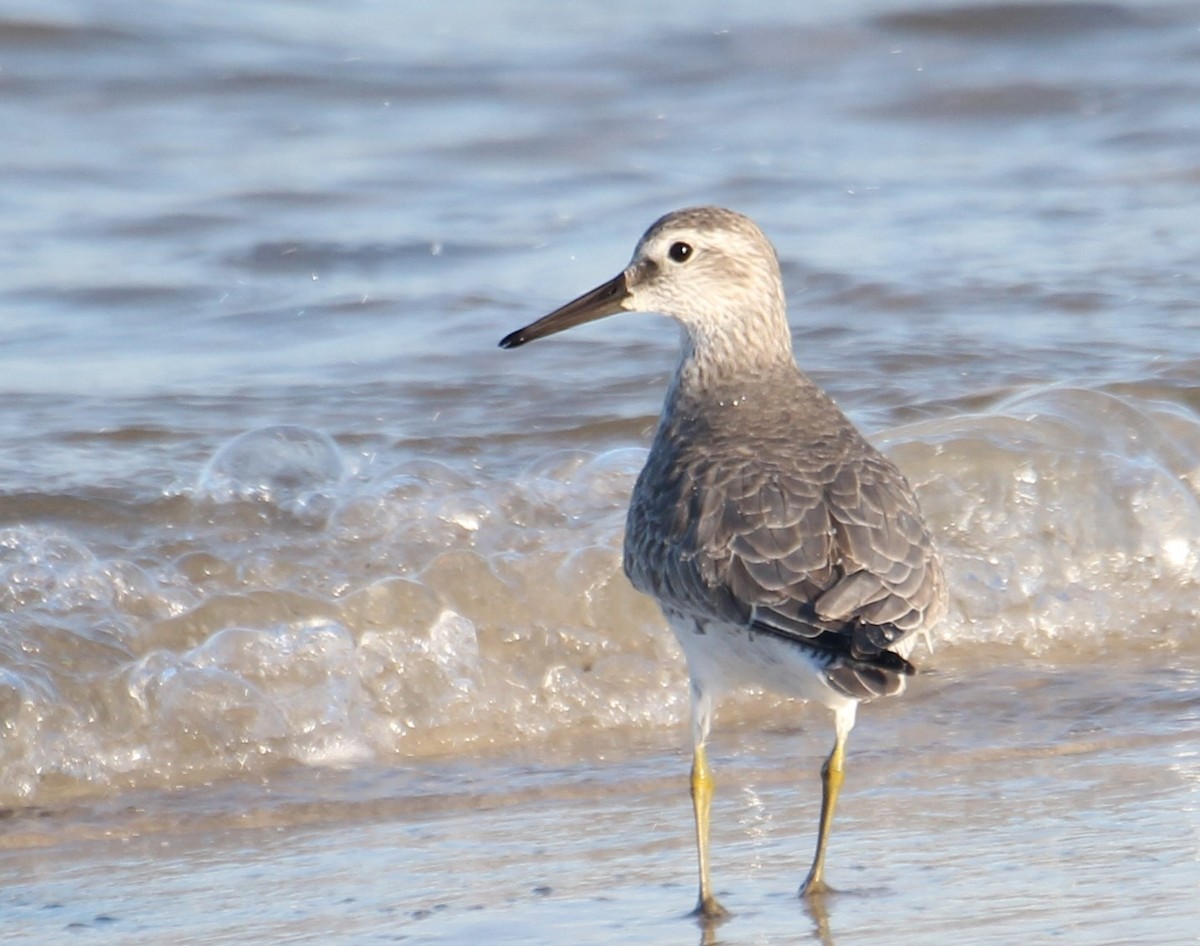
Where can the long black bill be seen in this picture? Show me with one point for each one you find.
(601, 301)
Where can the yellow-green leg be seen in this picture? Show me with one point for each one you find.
(702, 792)
(833, 773)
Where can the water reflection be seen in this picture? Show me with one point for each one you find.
(815, 907)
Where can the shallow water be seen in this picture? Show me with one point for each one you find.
(1024, 803)
(314, 617)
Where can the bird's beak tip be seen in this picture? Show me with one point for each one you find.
(606, 299)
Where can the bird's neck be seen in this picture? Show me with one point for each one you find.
(726, 366)
(737, 396)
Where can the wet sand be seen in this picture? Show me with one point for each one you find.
(1045, 802)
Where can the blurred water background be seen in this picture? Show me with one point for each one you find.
(312, 600)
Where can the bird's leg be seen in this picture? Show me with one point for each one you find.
(833, 773)
(707, 906)
(702, 791)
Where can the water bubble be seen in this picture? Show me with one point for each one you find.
(295, 469)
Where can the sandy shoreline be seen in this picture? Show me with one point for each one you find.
(1054, 807)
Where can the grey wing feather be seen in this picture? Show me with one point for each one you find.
(836, 556)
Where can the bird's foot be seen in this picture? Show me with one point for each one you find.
(814, 887)
(708, 909)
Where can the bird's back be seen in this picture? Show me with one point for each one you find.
(763, 508)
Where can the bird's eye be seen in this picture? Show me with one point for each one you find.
(680, 252)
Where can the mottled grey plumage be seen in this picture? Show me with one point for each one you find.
(765, 509)
(785, 551)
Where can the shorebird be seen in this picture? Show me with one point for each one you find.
(785, 551)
